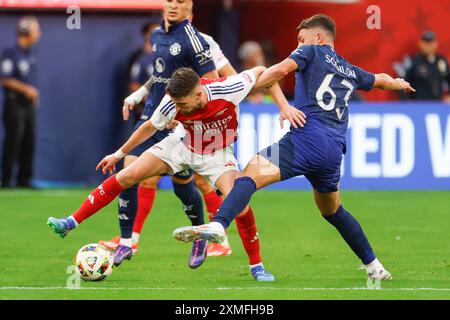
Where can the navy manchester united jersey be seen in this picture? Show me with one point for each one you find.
(182, 46)
(325, 82)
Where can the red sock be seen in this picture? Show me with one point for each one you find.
(146, 197)
(213, 203)
(99, 198)
(249, 235)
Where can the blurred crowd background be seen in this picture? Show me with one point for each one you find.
(75, 80)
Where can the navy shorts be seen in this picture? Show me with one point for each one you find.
(314, 155)
(147, 144)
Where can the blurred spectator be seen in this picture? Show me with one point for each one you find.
(18, 75)
(428, 71)
(252, 55)
(140, 67)
(228, 28)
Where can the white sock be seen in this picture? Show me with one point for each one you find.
(375, 264)
(126, 242)
(256, 265)
(135, 237)
(75, 221)
(218, 225)
(225, 242)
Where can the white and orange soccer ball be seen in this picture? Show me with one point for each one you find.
(94, 262)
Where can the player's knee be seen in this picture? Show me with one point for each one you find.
(151, 183)
(331, 209)
(244, 212)
(262, 174)
(129, 160)
(181, 189)
(202, 185)
(177, 180)
(128, 177)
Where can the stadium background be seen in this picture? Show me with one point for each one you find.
(82, 77)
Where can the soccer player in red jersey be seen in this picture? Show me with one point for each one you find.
(134, 209)
(208, 112)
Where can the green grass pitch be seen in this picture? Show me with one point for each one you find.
(408, 230)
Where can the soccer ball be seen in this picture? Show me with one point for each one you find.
(93, 262)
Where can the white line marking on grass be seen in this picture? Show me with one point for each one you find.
(337, 289)
(216, 289)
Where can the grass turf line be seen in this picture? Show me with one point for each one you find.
(408, 230)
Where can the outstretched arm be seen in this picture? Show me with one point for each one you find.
(108, 164)
(275, 73)
(268, 78)
(227, 70)
(384, 81)
(145, 132)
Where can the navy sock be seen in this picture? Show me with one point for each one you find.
(127, 211)
(236, 201)
(352, 233)
(192, 201)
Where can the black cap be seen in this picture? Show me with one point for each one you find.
(428, 36)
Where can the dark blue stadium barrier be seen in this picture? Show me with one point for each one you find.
(82, 84)
(391, 146)
(82, 80)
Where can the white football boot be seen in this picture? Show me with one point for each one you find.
(376, 271)
(213, 232)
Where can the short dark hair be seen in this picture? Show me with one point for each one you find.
(182, 83)
(24, 25)
(319, 20)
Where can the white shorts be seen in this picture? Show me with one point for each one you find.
(211, 166)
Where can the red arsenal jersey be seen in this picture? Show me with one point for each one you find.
(215, 126)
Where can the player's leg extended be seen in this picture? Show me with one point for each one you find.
(146, 194)
(247, 229)
(134, 206)
(187, 192)
(212, 200)
(246, 225)
(258, 174)
(147, 165)
(127, 207)
(185, 189)
(330, 206)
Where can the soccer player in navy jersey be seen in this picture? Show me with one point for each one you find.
(176, 43)
(325, 82)
(146, 195)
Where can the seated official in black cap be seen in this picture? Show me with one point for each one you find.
(18, 76)
(429, 72)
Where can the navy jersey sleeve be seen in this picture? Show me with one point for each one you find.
(302, 56)
(7, 64)
(366, 80)
(199, 52)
